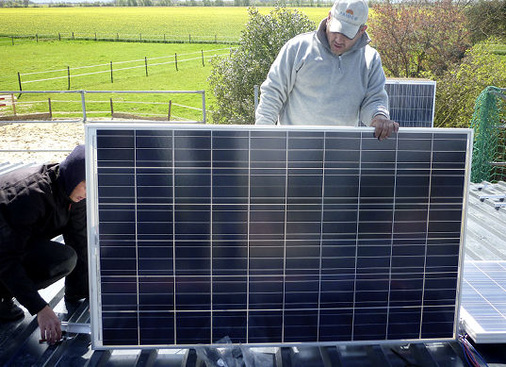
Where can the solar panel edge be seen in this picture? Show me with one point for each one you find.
(353, 131)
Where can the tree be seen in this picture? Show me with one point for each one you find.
(233, 77)
(458, 89)
(487, 18)
(419, 37)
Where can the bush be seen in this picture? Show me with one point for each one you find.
(233, 78)
(458, 89)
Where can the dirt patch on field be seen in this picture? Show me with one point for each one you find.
(38, 142)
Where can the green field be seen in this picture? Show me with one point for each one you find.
(30, 58)
(44, 65)
(184, 23)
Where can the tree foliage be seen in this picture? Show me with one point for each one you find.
(419, 37)
(233, 77)
(458, 89)
(487, 18)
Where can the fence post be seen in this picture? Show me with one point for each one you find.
(140, 37)
(95, 36)
(164, 40)
(59, 36)
(73, 35)
(68, 73)
(175, 58)
(112, 108)
(112, 79)
(146, 64)
(83, 104)
(19, 81)
(190, 38)
(170, 108)
(50, 109)
(204, 116)
(37, 37)
(13, 104)
(12, 40)
(202, 52)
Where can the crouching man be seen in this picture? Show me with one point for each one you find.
(36, 205)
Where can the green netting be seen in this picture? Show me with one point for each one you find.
(488, 122)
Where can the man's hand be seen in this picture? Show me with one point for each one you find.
(383, 127)
(49, 324)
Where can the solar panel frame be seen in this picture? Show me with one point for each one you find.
(293, 315)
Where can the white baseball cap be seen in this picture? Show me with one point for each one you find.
(346, 17)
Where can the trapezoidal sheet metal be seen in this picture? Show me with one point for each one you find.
(274, 235)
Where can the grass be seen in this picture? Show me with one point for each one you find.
(26, 55)
(183, 23)
(500, 49)
(29, 57)
(53, 57)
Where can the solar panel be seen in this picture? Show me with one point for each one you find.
(412, 101)
(484, 301)
(273, 235)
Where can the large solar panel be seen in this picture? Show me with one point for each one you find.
(273, 235)
(484, 301)
(412, 101)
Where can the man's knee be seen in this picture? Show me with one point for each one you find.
(67, 262)
(48, 262)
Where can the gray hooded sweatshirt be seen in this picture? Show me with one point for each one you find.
(308, 85)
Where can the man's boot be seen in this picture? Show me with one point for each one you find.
(9, 311)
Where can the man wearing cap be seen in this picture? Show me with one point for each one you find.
(37, 204)
(329, 77)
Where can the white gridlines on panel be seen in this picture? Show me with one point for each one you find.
(93, 220)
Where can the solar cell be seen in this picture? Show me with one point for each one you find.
(411, 101)
(273, 235)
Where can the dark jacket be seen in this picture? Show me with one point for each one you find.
(34, 206)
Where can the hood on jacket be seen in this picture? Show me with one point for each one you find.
(73, 169)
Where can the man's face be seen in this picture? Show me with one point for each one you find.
(339, 43)
(79, 192)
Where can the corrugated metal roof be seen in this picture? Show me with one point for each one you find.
(485, 240)
(486, 222)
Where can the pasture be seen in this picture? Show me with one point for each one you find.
(45, 64)
(202, 23)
